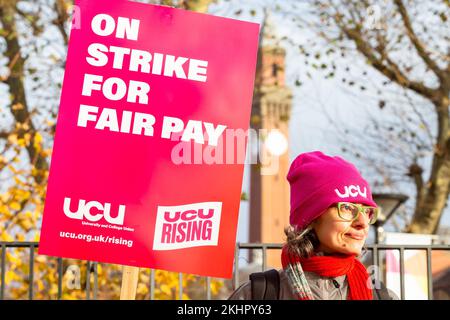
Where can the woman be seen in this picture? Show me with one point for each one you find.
(331, 210)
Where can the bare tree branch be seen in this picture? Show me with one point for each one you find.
(394, 49)
(391, 70)
(61, 8)
(422, 52)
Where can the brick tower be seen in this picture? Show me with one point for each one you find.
(269, 189)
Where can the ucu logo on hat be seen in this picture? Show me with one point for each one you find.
(313, 176)
(351, 191)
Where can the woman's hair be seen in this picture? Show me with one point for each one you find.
(301, 242)
(304, 242)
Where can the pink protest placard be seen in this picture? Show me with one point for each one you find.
(144, 171)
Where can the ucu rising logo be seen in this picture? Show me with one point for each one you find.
(351, 191)
(84, 211)
(187, 226)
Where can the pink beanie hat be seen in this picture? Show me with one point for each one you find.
(319, 181)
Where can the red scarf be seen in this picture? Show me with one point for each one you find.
(335, 266)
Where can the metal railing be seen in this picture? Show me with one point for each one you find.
(374, 249)
(92, 293)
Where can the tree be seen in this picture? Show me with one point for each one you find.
(406, 42)
(379, 47)
(33, 43)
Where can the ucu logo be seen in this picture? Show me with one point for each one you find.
(84, 211)
(351, 191)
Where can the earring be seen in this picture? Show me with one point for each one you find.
(305, 231)
(363, 252)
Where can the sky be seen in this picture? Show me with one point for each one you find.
(313, 103)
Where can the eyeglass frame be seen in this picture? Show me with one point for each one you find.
(360, 209)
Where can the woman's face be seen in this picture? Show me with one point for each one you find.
(339, 236)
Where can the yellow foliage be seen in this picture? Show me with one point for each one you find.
(4, 197)
(69, 296)
(12, 138)
(53, 289)
(20, 237)
(52, 277)
(10, 276)
(37, 143)
(216, 286)
(40, 259)
(21, 142)
(21, 206)
(46, 152)
(27, 138)
(38, 138)
(40, 286)
(17, 106)
(142, 289)
(25, 223)
(13, 170)
(5, 212)
(166, 289)
(14, 205)
(6, 237)
(184, 296)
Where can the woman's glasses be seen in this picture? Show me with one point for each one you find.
(349, 211)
